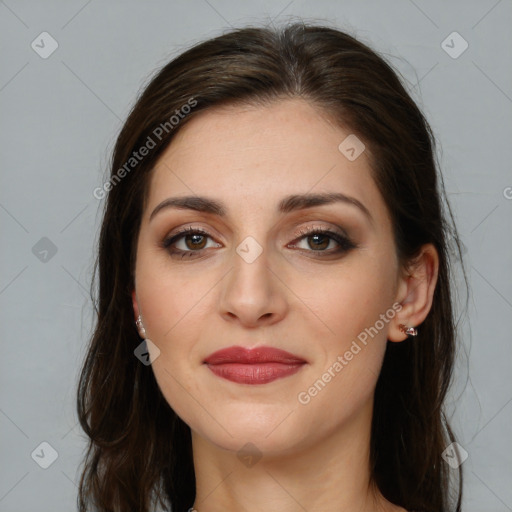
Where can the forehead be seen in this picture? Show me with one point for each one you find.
(252, 156)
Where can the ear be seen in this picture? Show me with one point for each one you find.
(415, 292)
(136, 312)
(135, 305)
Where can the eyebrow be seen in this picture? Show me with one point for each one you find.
(288, 204)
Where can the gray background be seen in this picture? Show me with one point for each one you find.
(59, 120)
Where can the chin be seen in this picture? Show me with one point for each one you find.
(271, 429)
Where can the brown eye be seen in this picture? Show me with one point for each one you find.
(323, 242)
(318, 241)
(189, 242)
(195, 242)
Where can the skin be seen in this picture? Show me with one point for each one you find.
(311, 456)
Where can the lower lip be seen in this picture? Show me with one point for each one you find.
(255, 373)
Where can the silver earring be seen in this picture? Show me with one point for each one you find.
(140, 326)
(410, 331)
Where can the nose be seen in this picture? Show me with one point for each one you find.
(252, 294)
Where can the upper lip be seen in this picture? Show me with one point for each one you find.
(237, 354)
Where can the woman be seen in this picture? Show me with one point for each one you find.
(275, 326)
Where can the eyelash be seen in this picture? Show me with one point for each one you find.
(345, 244)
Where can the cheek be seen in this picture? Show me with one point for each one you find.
(169, 300)
(350, 299)
(354, 306)
(343, 379)
(173, 307)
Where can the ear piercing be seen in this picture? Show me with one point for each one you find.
(410, 331)
(140, 326)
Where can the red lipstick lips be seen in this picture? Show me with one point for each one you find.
(253, 366)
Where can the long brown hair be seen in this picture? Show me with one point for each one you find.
(139, 451)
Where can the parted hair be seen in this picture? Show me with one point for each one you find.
(139, 452)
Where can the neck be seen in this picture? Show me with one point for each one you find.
(330, 475)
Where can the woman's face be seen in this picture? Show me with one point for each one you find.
(250, 274)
